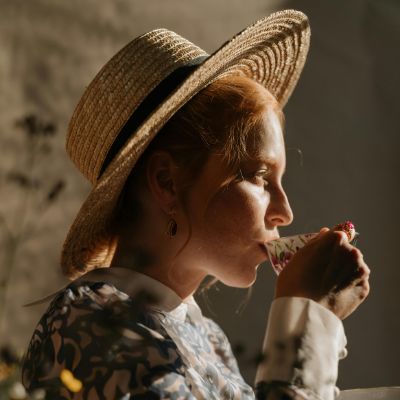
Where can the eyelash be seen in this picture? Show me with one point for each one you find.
(263, 174)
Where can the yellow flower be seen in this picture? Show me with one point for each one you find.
(68, 379)
(5, 371)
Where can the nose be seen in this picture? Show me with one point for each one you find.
(279, 212)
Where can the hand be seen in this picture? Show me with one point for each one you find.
(328, 270)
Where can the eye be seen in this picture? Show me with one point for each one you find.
(262, 176)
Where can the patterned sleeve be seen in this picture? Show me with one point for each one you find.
(271, 390)
(126, 356)
(303, 344)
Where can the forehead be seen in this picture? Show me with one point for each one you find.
(266, 143)
(266, 147)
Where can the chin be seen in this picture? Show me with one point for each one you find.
(242, 280)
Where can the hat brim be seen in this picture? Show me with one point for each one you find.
(272, 51)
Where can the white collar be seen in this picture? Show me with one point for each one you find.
(132, 282)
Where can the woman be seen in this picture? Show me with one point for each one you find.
(186, 155)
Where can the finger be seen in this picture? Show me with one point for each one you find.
(324, 261)
(357, 264)
(319, 234)
(331, 236)
(342, 242)
(351, 297)
(363, 289)
(359, 277)
(328, 245)
(341, 237)
(363, 269)
(327, 239)
(346, 266)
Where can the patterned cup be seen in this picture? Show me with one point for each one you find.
(281, 251)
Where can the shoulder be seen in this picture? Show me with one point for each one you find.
(100, 309)
(98, 302)
(94, 326)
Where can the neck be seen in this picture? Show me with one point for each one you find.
(175, 272)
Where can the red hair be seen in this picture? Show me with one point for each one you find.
(222, 118)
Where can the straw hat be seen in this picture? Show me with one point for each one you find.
(140, 88)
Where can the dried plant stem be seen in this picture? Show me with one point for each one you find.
(14, 240)
(11, 248)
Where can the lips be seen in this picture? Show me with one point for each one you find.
(264, 248)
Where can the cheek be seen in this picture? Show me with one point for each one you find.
(236, 213)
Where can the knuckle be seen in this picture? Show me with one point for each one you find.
(331, 236)
(364, 269)
(364, 290)
(360, 253)
(357, 256)
(357, 253)
(339, 236)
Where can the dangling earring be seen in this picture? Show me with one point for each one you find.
(172, 226)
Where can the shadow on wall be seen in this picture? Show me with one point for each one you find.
(33, 196)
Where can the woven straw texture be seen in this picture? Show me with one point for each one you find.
(272, 51)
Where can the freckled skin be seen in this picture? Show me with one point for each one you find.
(223, 223)
(226, 218)
(230, 222)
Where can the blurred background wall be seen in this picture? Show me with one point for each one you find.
(343, 117)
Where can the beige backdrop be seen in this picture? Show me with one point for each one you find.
(343, 118)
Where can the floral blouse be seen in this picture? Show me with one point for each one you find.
(119, 334)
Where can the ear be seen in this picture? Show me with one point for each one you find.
(162, 177)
